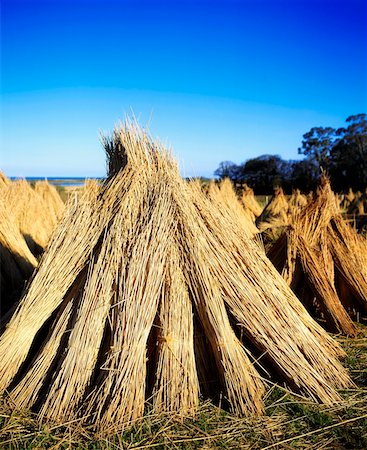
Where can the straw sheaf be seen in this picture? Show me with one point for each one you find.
(224, 196)
(91, 188)
(347, 199)
(4, 181)
(297, 201)
(52, 199)
(74, 241)
(322, 257)
(346, 248)
(30, 213)
(251, 297)
(16, 261)
(177, 385)
(142, 289)
(358, 205)
(275, 213)
(250, 203)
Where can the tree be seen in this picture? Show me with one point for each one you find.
(317, 144)
(349, 155)
(305, 175)
(342, 153)
(226, 169)
(264, 173)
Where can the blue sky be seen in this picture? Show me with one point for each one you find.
(216, 80)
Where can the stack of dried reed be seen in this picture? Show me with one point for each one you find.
(297, 201)
(224, 196)
(52, 200)
(92, 187)
(274, 217)
(359, 204)
(149, 292)
(250, 203)
(16, 261)
(324, 260)
(30, 214)
(4, 181)
(347, 199)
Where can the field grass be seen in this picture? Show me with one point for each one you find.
(291, 423)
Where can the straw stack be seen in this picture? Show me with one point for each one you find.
(31, 215)
(16, 261)
(324, 260)
(224, 196)
(250, 203)
(52, 200)
(347, 199)
(4, 181)
(358, 205)
(297, 201)
(275, 213)
(145, 290)
(92, 186)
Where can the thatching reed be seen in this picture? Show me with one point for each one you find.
(4, 181)
(275, 213)
(250, 203)
(224, 196)
(297, 201)
(92, 187)
(31, 215)
(149, 293)
(347, 199)
(324, 260)
(55, 206)
(16, 261)
(359, 204)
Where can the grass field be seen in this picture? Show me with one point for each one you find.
(290, 423)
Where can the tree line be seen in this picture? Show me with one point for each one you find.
(341, 153)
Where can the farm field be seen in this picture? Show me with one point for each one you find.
(183, 225)
(158, 312)
(290, 423)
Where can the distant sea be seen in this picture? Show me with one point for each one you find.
(60, 181)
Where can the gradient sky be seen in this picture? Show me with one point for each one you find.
(216, 80)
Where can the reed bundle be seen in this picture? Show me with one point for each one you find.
(16, 261)
(148, 292)
(31, 215)
(359, 204)
(297, 201)
(55, 206)
(250, 203)
(4, 181)
(224, 196)
(347, 199)
(324, 260)
(91, 187)
(275, 213)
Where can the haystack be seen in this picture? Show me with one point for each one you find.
(224, 196)
(31, 215)
(359, 204)
(55, 206)
(92, 187)
(275, 213)
(324, 260)
(4, 181)
(16, 261)
(148, 292)
(297, 201)
(250, 203)
(347, 199)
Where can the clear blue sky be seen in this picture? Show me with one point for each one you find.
(216, 80)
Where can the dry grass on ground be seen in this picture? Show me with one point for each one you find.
(291, 423)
